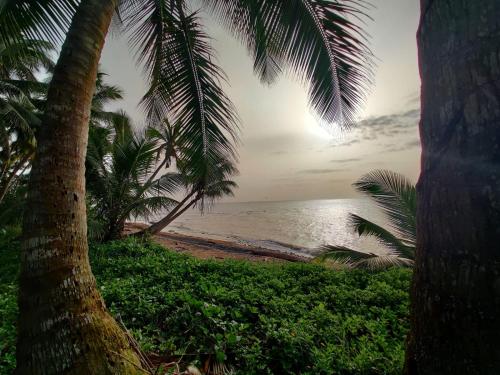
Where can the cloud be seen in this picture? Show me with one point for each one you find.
(320, 171)
(413, 98)
(414, 143)
(396, 125)
(406, 146)
(345, 160)
(386, 123)
(278, 153)
(337, 143)
(388, 126)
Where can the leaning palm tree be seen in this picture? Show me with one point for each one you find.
(315, 39)
(396, 196)
(201, 193)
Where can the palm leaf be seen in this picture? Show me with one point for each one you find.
(22, 59)
(363, 260)
(36, 19)
(365, 227)
(396, 196)
(148, 206)
(317, 39)
(185, 83)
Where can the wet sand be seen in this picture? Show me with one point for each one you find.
(205, 248)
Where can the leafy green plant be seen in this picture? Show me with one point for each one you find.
(9, 253)
(396, 196)
(256, 318)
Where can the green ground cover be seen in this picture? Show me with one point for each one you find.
(257, 318)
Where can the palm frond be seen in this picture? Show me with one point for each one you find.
(28, 88)
(185, 81)
(357, 259)
(36, 19)
(23, 59)
(396, 196)
(169, 184)
(317, 39)
(365, 227)
(148, 206)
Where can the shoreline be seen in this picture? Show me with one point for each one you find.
(205, 248)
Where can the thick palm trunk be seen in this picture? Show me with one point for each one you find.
(455, 322)
(63, 325)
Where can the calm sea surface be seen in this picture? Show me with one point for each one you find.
(273, 225)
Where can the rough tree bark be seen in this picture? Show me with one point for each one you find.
(63, 325)
(455, 316)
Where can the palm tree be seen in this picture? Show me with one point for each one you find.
(22, 102)
(455, 294)
(199, 193)
(120, 178)
(20, 90)
(201, 189)
(396, 196)
(315, 39)
(104, 95)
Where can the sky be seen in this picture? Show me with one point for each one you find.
(285, 154)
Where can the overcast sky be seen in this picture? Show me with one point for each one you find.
(285, 155)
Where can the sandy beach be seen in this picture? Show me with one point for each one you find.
(204, 248)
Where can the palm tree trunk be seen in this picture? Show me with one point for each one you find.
(455, 313)
(172, 215)
(181, 212)
(63, 325)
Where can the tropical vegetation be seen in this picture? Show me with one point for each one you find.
(395, 195)
(455, 297)
(125, 180)
(251, 318)
(316, 40)
(21, 101)
(120, 179)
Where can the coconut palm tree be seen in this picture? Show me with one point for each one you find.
(22, 102)
(396, 196)
(19, 115)
(198, 190)
(120, 178)
(317, 40)
(199, 193)
(455, 295)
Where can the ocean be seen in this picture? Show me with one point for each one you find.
(305, 225)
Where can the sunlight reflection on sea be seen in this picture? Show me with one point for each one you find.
(275, 225)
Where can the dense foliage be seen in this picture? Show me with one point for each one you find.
(258, 318)
(122, 178)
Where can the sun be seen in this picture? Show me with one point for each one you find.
(323, 131)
